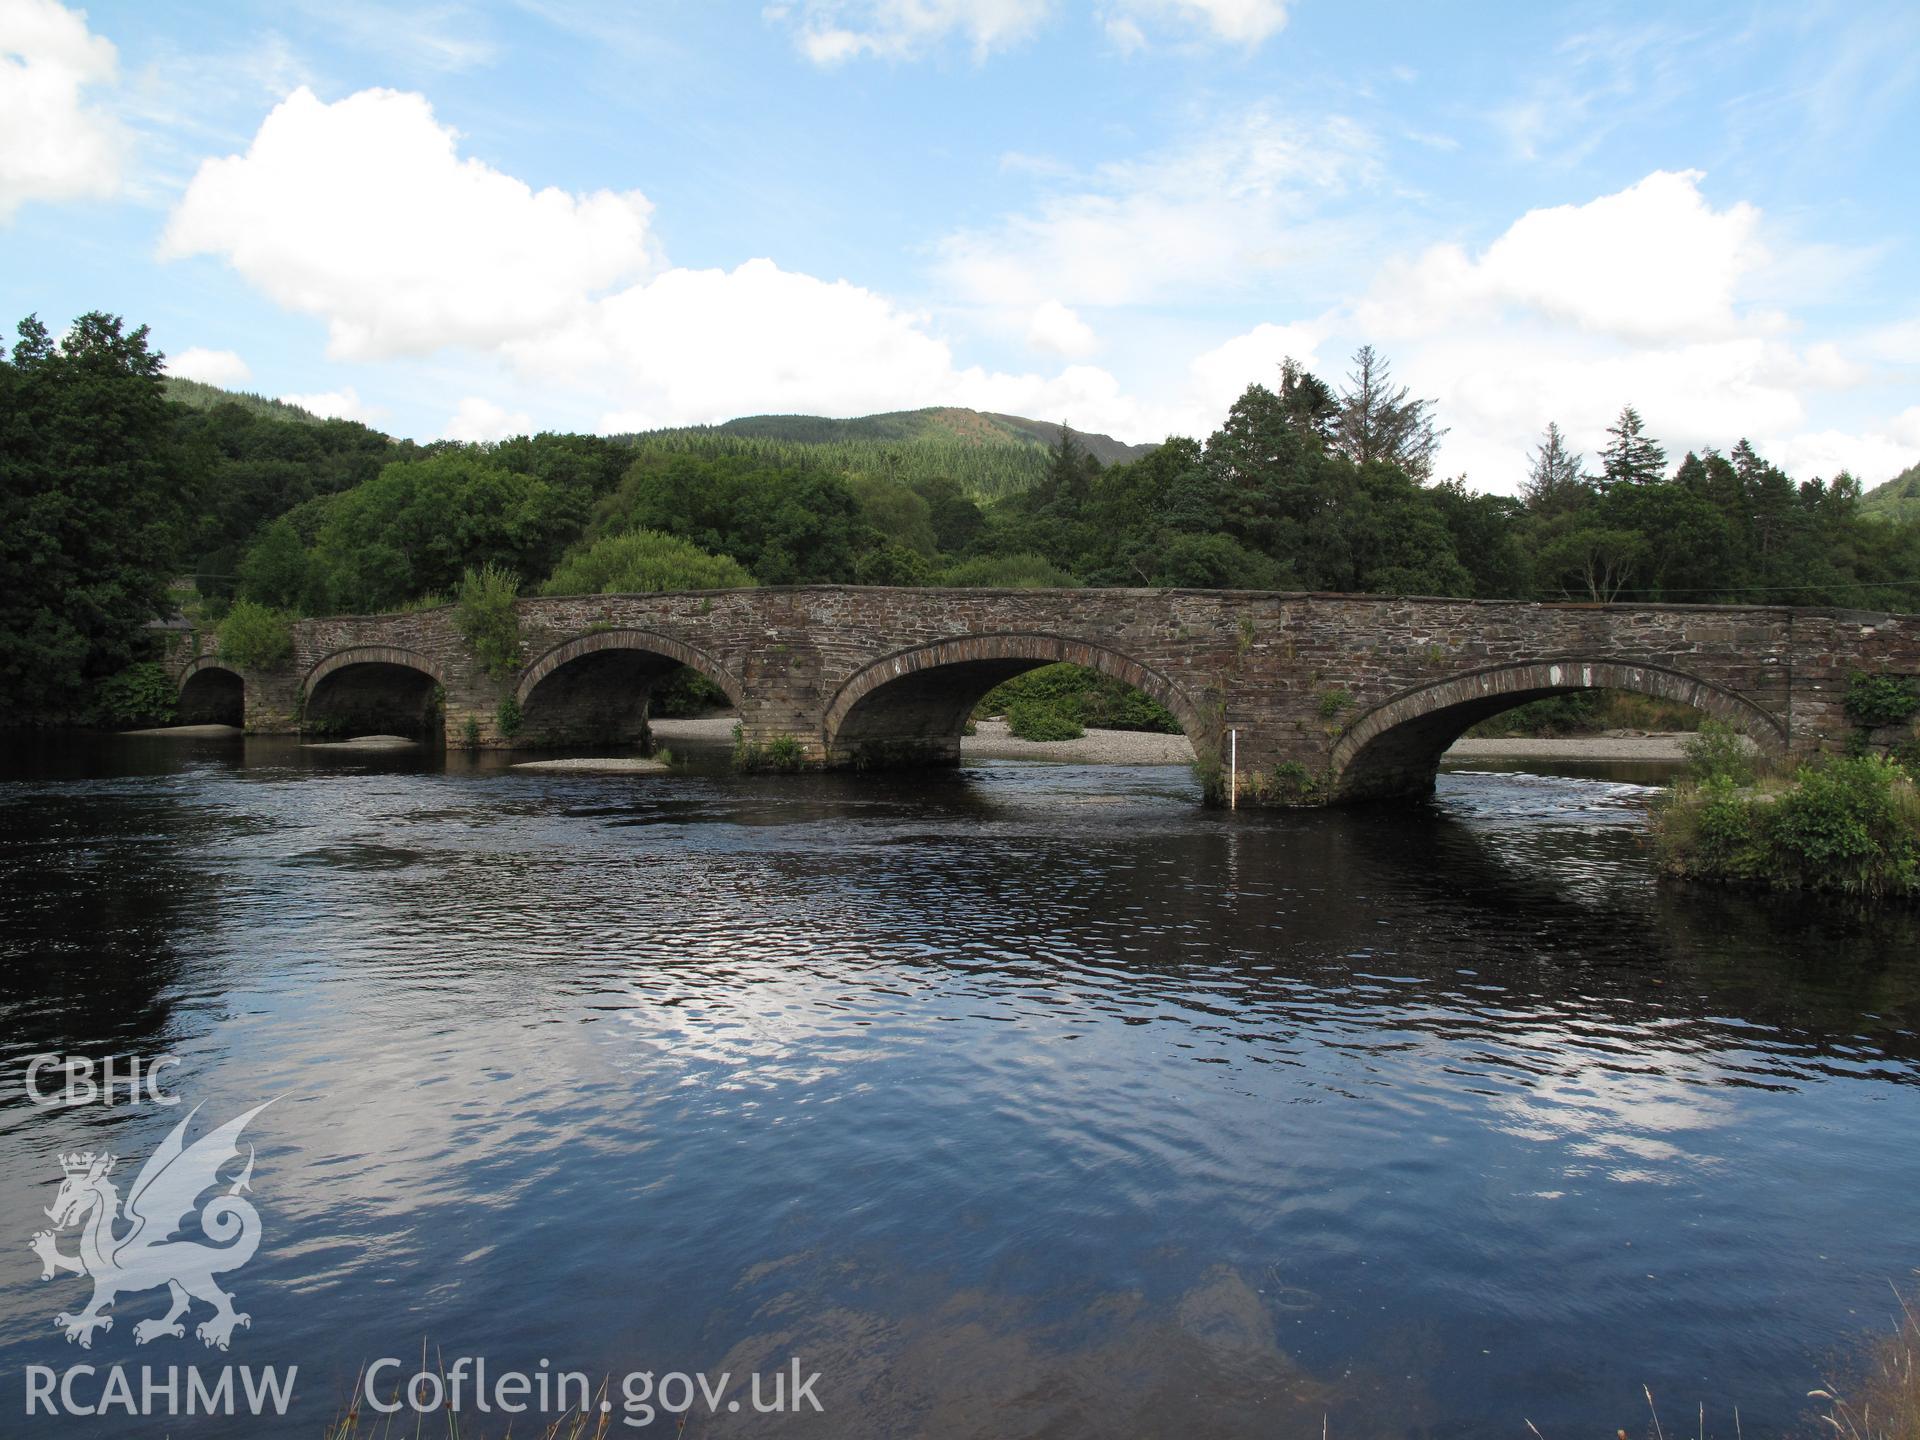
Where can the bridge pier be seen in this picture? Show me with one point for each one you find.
(1335, 697)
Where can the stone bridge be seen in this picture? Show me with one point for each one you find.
(1331, 697)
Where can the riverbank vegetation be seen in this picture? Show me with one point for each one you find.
(1875, 1392)
(1843, 823)
(112, 492)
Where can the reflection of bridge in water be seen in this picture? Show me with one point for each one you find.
(1338, 696)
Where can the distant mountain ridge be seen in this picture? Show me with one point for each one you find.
(943, 422)
(1898, 499)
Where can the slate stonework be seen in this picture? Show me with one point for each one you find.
(1349, 696)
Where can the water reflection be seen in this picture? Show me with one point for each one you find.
(1029, 1101)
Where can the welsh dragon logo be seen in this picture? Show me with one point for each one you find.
(124, 1253)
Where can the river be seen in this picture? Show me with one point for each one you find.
(1031, 1100)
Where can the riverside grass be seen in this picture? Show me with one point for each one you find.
(1846, 824)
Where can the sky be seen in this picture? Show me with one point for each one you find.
(470, 220)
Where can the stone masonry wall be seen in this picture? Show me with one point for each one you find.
(1318, 685)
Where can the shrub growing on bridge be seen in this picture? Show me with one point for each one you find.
(485, 615)
(1876, 700)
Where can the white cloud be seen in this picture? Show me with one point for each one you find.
(1497, 389)
(362, 212)
(1238, 22)
(1056, 328)
(1220, 376)
(1226, 210)
(1871, 457)
(53, 144)
(210, 367)
(1653, 261)
(479, 419)
(342, 404)
(701, 345)
(1641, 297)
(830, 32)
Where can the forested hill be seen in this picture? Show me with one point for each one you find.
(198, 395)
(975, 427)
(988, 456)
(1898, 499)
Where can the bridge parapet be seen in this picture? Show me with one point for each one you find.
(1332, 696)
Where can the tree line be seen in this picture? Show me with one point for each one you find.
(118, 508)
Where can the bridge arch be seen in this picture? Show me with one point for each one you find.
(211, 692)
(911, 706)
(595, 688)
(1394, 749)
(367, 689)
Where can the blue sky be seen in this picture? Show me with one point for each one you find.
(470, 219)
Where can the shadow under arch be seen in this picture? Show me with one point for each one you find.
(211, 692)
(1394, 749)
(595, 689)
(910, 707)
(373, 689)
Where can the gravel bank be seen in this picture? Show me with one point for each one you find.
(1609, 746)
(1133, 747)
(598, 765)
(1096, 747)
(190, 732)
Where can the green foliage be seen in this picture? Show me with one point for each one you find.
(1576, 713)
(487, 615)
(1897, 500)
(638, 561)
(1008, 572)
(1332, 702)
(249, 467)
(686, 692)
(92, 511)
(1876, 700)
(1291, 783)
(1095, 700)
(196, 395)
(788, 526)
(1587, 712)
(1853, 822)
(470, 730)
(508, 718)
(1845, 824)
(420, 524)
(892, 564)
(783, 753)
(1210, 773)
(985, 457)
(255, 637)
(141, 694)
(1036, 720)
(1718, 752)
(278, 571)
